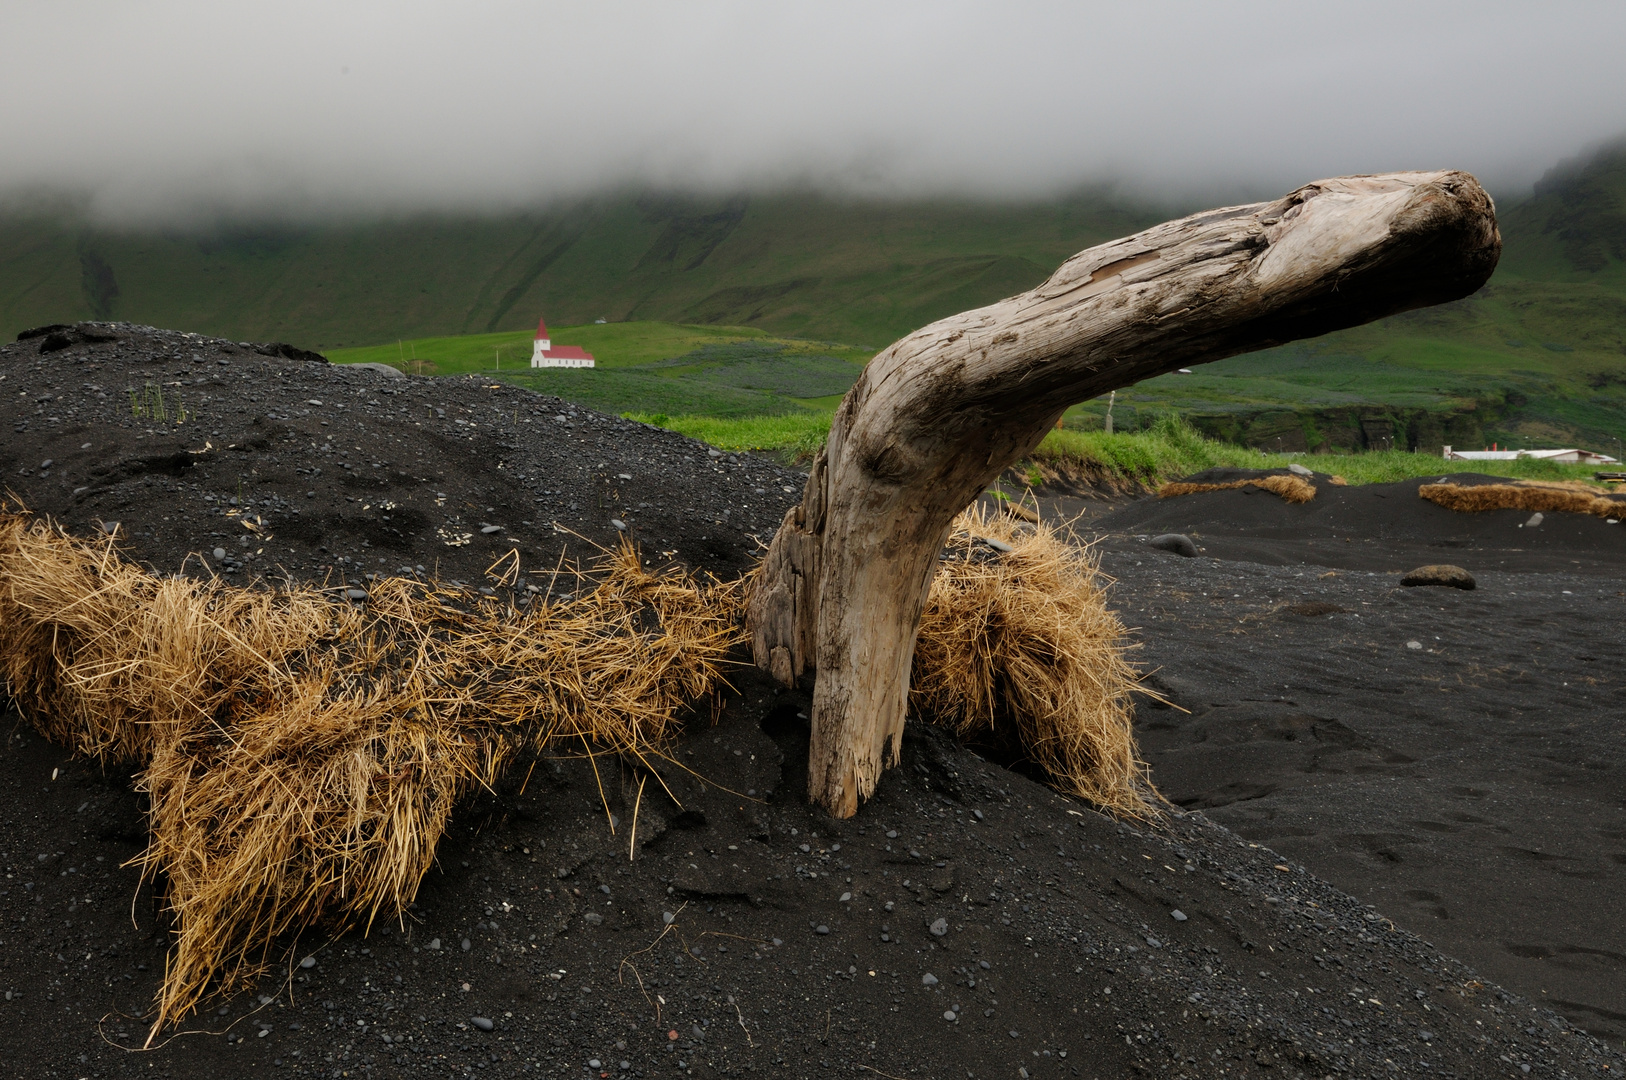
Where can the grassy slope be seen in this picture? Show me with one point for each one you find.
(1166, 450)
(1541, 351)
(803, 266)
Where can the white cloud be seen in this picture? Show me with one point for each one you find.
(179, 109)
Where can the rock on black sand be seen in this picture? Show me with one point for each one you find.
(1179, 543)
(1440, 574)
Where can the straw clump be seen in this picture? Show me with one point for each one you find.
(302, 756)
(1532, 496)
(1018, 650)
(1293, 489)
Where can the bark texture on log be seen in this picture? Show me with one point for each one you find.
(938, 415)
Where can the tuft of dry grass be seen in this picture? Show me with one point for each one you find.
(1017, 648)
(1573, 498)
(302, 755)
(1293, 489)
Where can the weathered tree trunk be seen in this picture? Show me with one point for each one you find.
(937, 416)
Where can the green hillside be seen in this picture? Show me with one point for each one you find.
(1538, 356)
(648, 367)
(803, 265)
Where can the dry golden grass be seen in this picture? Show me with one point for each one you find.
(1294, 489)
(1020, 650)
(1562, 497)
(301, 755)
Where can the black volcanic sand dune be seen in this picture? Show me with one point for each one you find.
(1372, 527)
(293, 466)
(967, 922)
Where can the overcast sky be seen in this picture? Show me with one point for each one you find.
(171, 110)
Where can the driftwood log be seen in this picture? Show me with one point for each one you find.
(938, 415)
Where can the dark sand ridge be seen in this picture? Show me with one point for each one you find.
(1268, 970)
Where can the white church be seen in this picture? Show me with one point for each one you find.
(544, 353)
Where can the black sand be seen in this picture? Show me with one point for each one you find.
(765, 967)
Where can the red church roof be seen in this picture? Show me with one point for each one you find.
(568, 352)
(541, 330)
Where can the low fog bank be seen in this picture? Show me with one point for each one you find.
(174, 113)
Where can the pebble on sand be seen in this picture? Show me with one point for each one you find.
(1454, 577)
(481, 1022)
(1178, 543)
(940, 927)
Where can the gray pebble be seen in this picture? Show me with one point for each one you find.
(220, 554)
(356, 594)
(1177, 915)
(939, 927)
(948, 1014)
(619, 524)
(1153, 942)
(434, 944)
(1299, 470)
(928, 979)
(821, 929)
(1178, 543)
(1535, 519)
(482, 1023)
(110, 527)
(308, 963)
(489, 529)
(594, 1063)
(467, 944)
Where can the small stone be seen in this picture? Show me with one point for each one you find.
(1178, 543)
(618, 524)
(593, 1063)
(977, 814)
(846, 896)
(1535, 519)
(948, 1014)
(928, 979)
(1414, 644)
(487, 530)
(668, 918)
(891, 834)
(1425, 1034)
(985, 965)
(356, 594)
(434, 945)
(481, 1022)
(467, 944)
(821, 929)
(308, 963)
(46, 464)
(1177, 915)
(1454, 577)
(1153, 942)
(1299, 470)
(1013, 1033)
(220, 554)
(314, 402)
(593, 918)
(110, 527)
(939, 927)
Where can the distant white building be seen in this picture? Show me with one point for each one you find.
(1562, 457)
(544, 353)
